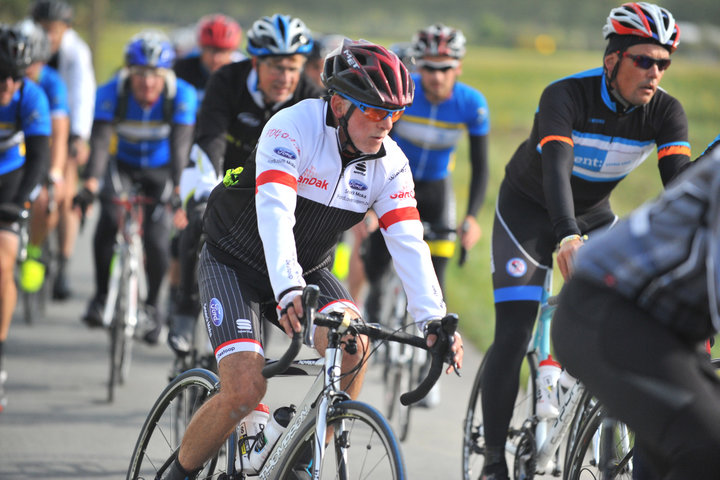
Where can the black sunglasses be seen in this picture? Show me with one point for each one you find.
(645, 62)
(431, 68)
(14, 75)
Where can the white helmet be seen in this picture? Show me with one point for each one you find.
(646, 20)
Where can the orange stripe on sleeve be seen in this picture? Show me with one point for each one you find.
(399, 215)
(674, 150)
(276, 176)
(557, 138)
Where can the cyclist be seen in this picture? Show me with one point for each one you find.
(218, 37)
(71, 57)
(590, 130)
(24, 156)
(322, 45)
(43, 218)
(239, 100)
(152, 113)
(318, 167)
(633, 319)
(428, 134)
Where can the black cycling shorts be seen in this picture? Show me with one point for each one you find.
(233, 304)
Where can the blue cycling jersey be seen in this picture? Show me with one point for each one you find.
(54, 87)
(428, 134)
(143, 135)
(26, 115)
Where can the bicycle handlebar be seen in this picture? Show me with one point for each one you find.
(310, 296)
(440, 352)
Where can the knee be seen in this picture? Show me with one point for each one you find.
(240, 398)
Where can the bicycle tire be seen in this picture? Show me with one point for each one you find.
(162, 431)
(355, 424)
(117, 327)
(473, 449)
(401, 378)
(588, 453)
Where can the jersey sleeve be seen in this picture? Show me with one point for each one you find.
(278, 166)
(673, 147)
(186, 104)
(35, 111)
(80, 80)
(554, 119)
(106, 101)
(478, 112)
(400, 225)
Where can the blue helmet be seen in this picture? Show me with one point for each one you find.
(150, 49)
(279, 35)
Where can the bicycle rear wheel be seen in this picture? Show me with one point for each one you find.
(165, 426)
(597, 445)
(473, 450)
(363, 447)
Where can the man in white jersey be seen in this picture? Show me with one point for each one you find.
(73, 60)
(318, 167)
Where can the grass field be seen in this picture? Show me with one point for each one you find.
(512, 81)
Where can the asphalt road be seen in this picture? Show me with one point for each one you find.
(58, 424)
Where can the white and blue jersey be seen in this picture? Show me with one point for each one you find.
(26, 115)
(54, 87)
(428, 133)
(143, 133)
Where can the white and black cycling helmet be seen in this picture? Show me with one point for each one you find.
(279, 35)
(37, 39)
(439, 40)
(51, 11)
(645, 20)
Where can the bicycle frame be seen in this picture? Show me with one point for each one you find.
(549, 432)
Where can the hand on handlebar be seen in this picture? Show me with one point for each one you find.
(454, 354)
(291, 312)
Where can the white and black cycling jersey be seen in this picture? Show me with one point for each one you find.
(283, 215)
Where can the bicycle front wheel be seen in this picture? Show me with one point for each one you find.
(362, 447)
(473, 450)
(597, 445)
(165, 426)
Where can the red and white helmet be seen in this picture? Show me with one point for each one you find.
(219, 31)
(439, 40)
(646, 20)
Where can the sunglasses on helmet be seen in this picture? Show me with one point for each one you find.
(376, 114)
(645, 62)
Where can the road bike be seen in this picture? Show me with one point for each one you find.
(123, 314)
(361, 443)
(533, 443)
(34, 303)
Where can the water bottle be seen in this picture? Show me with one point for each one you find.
(565, 383)
(249, 431)
(547, 400)
(277, 424)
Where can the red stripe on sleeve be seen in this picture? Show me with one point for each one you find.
(276, 176)
(399, 215)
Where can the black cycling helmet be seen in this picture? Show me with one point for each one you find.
(15, 52)
(368, 73)
(51, 10)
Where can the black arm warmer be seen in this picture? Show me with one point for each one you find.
(479, 178)
(37, 162)
(99, 150)
(180, 142)
(557, 164)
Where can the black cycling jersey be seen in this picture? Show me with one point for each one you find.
(192, 70)
(231, 119)
(579, 128)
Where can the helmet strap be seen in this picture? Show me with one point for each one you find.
(623, 105)
(347, 147)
